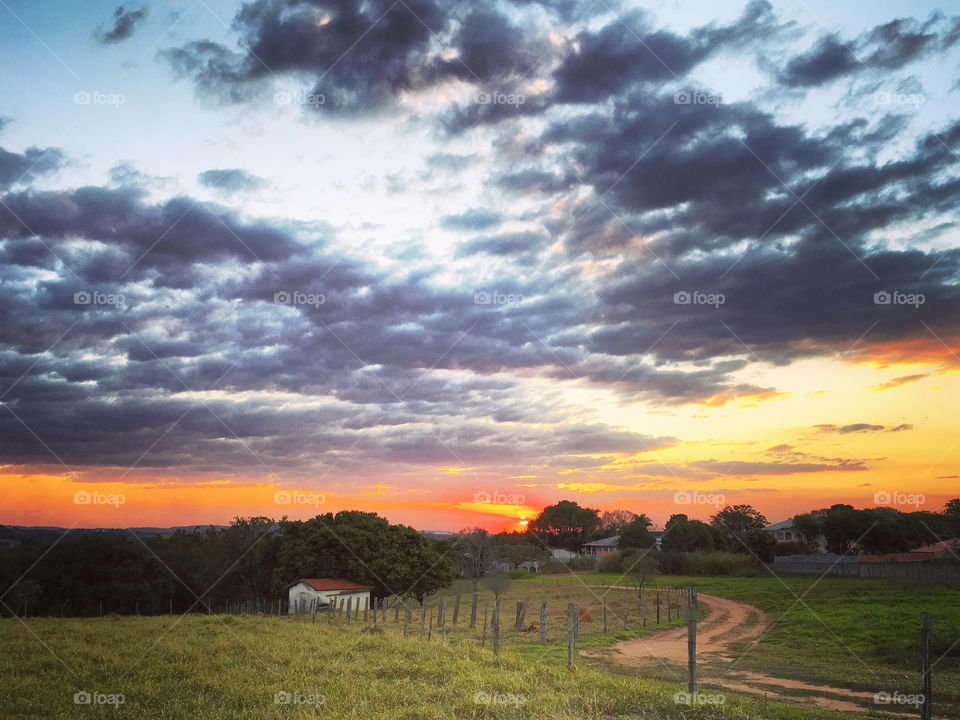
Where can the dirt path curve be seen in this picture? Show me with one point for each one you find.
(728, 622)
(729, 626)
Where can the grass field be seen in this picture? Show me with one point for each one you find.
(211, 668)
(862, 634)
(847, 633)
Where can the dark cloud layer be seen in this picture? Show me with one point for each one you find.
(664, 249)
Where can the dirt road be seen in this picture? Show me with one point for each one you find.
(723, 637)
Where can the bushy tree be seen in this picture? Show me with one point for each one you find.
(635, 535)
(612, 522)
(566, 525)
(733, 523)
(683, 535)
(477, 553)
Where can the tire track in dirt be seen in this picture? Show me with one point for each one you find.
(728, 626)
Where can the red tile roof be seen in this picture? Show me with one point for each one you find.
(331, 584)
(942, 546)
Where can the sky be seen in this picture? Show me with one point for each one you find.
(454, 262)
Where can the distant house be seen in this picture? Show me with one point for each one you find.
(599, 548)
(326, 591)
(783, 531)
(562, 554)
(531, 566)
(658, 536)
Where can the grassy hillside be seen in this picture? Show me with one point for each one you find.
(208, 668)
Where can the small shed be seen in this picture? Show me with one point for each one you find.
(326, 591)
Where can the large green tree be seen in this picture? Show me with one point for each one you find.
(733, 523)
(565, 525)
(683, 535)
(365, 548)
(636, 536)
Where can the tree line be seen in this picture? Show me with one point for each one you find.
(258, 558)
(253, 558)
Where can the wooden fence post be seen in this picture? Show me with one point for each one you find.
(366, 606)
(543, 624)
(573, 615)
(456, 609)
(349, 608)
(473, 610)
(443, 619)
(522, 614)
(643, 605)
(483, 638)
(496, 626)
(692, 646)
(423, 616)
(926, 711)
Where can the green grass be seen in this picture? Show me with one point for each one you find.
(212, 668)
(848, 632)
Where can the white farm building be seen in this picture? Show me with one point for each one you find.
(327, 591)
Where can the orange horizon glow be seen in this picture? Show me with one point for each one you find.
(832, 432)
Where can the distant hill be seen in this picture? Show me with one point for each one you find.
(11, 535)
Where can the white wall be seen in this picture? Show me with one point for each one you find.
(325, 596)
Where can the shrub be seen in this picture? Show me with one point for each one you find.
(583, 562)
(791, 548)
(553, 567)
(519, 573)
(611, 563)
(716, 563)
